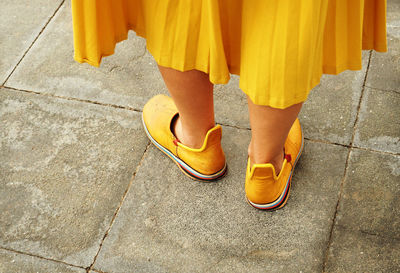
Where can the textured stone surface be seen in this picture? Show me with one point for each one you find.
(378, 127)
(19, 29)
(353, 251)
(331, 108)
(170, 223)
(127, 78)
(231, 104)
(384, 72)
(11, 262)
(371, 199)
(366, 237)
(64, 167)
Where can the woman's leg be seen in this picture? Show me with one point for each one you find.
(192, 93)
(269, 130)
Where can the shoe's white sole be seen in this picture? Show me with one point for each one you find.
(185, 168)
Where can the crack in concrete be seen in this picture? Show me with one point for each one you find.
(134, 59)
(367, 232)
(384, 90)
(371, 233)
(234, 126)
(346, 167)
(112, 68)
(97, 270)
(33, 42)
(40, 257)
(214, 265)
(138, 57)
(90, 267)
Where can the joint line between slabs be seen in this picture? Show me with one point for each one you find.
(355, 126)
(323, 142)
(349, 146)
(74, 99)
(33, 42)
(223, 124)
(346, 167)
(119, 206)
(40, 257)
(375, 151)
(325, 261)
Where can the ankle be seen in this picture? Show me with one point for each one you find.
(190, 139)
(275, 159)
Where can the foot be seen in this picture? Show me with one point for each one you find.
(266, 188)
(205, 164)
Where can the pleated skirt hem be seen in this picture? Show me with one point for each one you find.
(274, 70)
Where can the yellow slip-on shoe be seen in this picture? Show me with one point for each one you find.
(264, 189)
(206, 163)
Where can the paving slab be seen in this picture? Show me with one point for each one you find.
(127, 78)
(170, 223)
(371, 195)
(11, 262)
(19, 29)
(330, 111)
(353, 251)
(378, 126)
(230, 104)
(366, 236)
(384, 71)
(64, 167)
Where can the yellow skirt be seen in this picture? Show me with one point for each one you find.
(280, 48)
